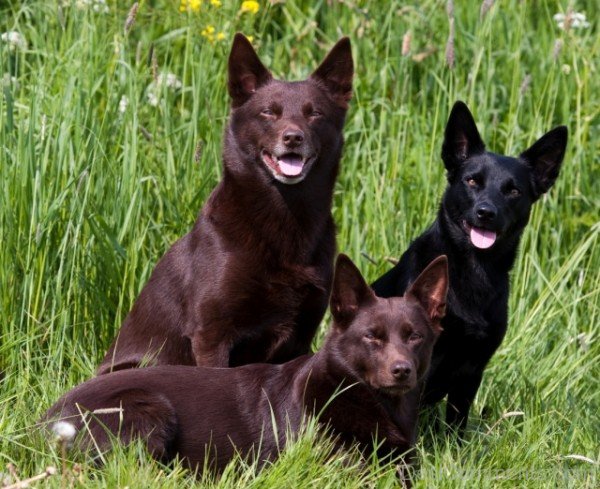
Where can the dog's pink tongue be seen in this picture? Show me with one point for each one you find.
(482, 238)
(290, 165)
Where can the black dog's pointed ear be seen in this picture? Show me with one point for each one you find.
(246, 72)
(431, 288)
(544, 158)
(349, 291)
(462, 139)
(336, 72)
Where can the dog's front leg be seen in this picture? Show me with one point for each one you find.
(460, 398)
(308, 321)
(210, 348)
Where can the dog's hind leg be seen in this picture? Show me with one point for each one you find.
(127, 415)
(151, 418)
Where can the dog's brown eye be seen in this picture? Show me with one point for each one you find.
(369, 336)
(267, 112)
(471, 182)
(514, 192)
(315, 113)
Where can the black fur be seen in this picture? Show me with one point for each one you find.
(490, 193)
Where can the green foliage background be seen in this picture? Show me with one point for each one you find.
(90, 198)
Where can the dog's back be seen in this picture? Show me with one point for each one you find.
(202, 415)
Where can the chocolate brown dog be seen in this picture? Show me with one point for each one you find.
(365, 382)
(250, 282)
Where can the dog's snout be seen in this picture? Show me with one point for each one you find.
(401, 370)
(293, 137)
(486, 212)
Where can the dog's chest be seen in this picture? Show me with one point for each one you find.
(477, 301)
(267, 298)
(297, 280)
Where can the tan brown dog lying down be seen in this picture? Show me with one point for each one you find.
(375, 358)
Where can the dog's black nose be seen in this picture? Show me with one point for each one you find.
(401, 370)
(293, 137)
(485, 212)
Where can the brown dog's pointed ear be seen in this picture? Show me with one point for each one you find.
(544, 158)
(431, 288)
(461, 138)
(336, 72)
(246, 72)
(349, 291)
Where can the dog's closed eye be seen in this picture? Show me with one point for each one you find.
(414, 337)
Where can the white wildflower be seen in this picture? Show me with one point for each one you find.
(152, 99)
(64, 431)
(15, 40)
(163, 80)
(96, 5)
(123, 103)
(169, 80)
(9, 81)
(575, 20)
(584, 340)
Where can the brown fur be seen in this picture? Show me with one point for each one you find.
(250, 282)
(377, 352)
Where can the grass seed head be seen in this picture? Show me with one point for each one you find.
(130, 20)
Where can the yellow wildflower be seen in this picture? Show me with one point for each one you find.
(250, 6)
(190, 5)
(215, 3)
(220, 36)
(209, 33)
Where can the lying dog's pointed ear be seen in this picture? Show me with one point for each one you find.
(246, 72)
(544, 158)
(431, 289)
(461, 139)
(336, 72)
(349, 291)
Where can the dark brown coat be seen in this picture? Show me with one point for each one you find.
(372, 364)
(250, 282)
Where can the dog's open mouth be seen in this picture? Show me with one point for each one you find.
(480, 238)
(287, 168)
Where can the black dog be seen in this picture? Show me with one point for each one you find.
(365, 383)
(480, 221)
(250, 282)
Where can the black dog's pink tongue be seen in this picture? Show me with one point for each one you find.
(482, 238)
(290, 164)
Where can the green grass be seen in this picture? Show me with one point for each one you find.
(91, 198)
